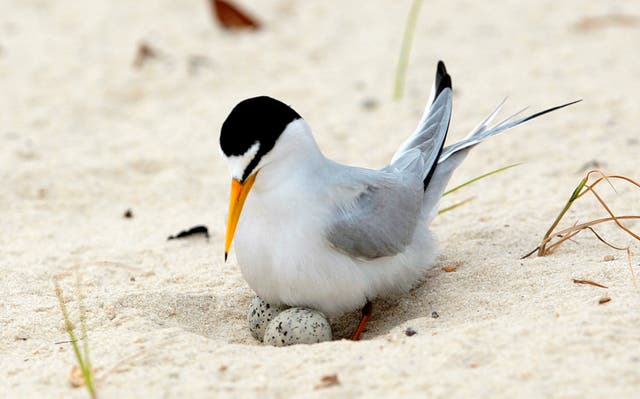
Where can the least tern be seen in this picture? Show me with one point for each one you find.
(315, 233)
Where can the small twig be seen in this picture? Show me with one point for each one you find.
(589, 282)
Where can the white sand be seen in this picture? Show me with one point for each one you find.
(84, 136)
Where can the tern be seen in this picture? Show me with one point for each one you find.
(319, 234)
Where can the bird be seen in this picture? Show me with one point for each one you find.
(311, 232)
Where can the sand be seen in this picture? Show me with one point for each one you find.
(85, 136)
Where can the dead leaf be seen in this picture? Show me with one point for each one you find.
(145, 52)
(232, 17)
(328, 381)
(599, 22)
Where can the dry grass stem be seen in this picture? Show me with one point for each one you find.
(553, 239)
(589, 282)
(548, 244)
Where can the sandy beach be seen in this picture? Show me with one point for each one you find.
(86, 134)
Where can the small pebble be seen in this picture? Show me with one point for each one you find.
(369, 104)
(604, 299)
(298, 326)
(410, 332)
(260, 314)
(110, 311)
(592, 164)
(609, 258)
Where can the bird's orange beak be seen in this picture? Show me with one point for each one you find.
(239, 192)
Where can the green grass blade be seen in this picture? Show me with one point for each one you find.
(69, 326)
(403, 61)
(475, 179)
(86, 370)
(454, 206)
(574, 195)
(83, 361)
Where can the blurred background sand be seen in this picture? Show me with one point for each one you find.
(85, 135)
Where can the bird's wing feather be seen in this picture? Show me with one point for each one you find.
(431, 132)
(376, 214)
(381, 209)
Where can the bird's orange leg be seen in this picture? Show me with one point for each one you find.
(366, 316)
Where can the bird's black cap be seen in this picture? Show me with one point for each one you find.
(255, 120)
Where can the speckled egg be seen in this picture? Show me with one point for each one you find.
(298, 326)
(260, 314)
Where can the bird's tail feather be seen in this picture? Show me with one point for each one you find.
(483, 131)
(453, 155)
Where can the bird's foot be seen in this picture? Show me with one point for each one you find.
(367, 310)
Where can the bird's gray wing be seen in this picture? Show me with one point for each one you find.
(379, 215)
(376, 215)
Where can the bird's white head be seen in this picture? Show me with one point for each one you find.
(247, 137)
